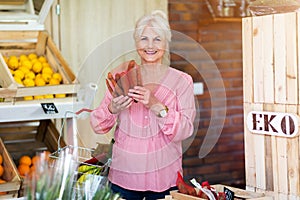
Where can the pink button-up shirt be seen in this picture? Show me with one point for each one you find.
(147, 152)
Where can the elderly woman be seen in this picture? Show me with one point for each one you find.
(151, 118)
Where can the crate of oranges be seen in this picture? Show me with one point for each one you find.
(10, 181)
(32, 68)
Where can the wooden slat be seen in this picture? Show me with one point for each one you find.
(280, 58)
(269, 152)
(249, 153)
(293, 158)
(41, 43)
(282, 156)
(6, 77)
(56, 66)
(258, 70)
(24, 46)
(10, 173)
(268, 59)
(247, 60)
(298, 48)
(61, 59)
(260, 152)
(18, 35)
(291, 58)
(49, 89)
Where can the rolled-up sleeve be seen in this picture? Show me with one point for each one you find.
(179, 123)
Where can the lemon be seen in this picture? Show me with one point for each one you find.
(32, 56)
(48, 96)
(18, 80)
(45, 65)
(23, 57)
(42, 59)
(13, 57)
(37, 97)
(19, 73)
(34, 60)
(27, 64)
(24, 69)
(39, 81)
(60, 95)
(47, 70)
(28, 98)
(30, 75)
(28, 82)
(53, 81)
(46, 77)
(57, 76)
(37, 67)
(13, 63)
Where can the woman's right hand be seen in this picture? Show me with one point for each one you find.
(119, 103)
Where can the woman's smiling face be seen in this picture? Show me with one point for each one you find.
(150, 46)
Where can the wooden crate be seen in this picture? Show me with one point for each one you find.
(40, 43)
(271, 81)
(239, 194)
(13, 180)
(29, 137)
(12, 2)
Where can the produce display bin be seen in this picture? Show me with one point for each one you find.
(29, 137)
(238, 194)
(271, 80)
(13, 180)
(40, 43)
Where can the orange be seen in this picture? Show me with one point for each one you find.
(1, 159)
(35, 159)
(1, 170)
(25, 160)
(23, 169)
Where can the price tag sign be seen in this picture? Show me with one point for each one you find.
(228, 193)
(49, 108)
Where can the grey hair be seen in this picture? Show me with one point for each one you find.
(158, 20)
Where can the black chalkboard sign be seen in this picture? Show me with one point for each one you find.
(49, 108)
(228, 193)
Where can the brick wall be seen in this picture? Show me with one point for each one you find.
(223, 42)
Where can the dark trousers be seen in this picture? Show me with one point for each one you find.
(139, 195)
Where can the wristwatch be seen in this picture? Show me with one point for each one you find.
(163, 112)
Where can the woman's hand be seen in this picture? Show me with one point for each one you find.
(145, 96)
(119, 103)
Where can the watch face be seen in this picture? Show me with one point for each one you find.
(163, 113)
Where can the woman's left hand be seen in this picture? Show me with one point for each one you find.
(143, 95)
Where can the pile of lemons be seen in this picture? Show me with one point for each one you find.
(33, 70)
